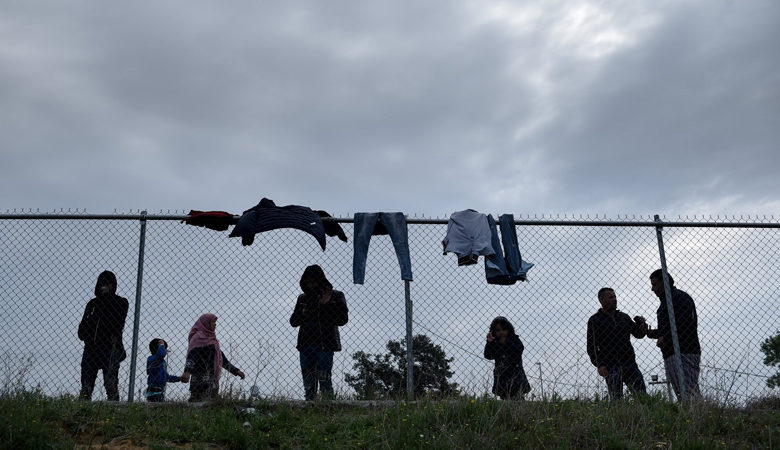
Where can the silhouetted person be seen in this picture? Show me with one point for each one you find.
(101, 330)
(687, 334)
(157, 376)
(205, 360)
(609, 345)
(319, 312)
(505, 347)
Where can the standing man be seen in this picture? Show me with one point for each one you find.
(101, 330)
(609, 345)
(319, 312)
(687, 334)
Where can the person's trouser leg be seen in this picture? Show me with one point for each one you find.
(155, 394)
(198, 392)
(633, 378)
(111, 375)
(614, 381)
(309, 371)
(89, 369)
(204, 389)
(324, 369)
(691, 369)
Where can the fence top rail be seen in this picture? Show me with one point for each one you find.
(715, 223)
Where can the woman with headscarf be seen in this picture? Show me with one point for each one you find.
(205, 360)
(504, 346)
(319, 311)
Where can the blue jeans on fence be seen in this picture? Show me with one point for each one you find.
(393, 224)
(316, 367)
(507, 266)
(630, 375)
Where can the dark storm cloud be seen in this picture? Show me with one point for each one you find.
(686, 118)
(429, 108)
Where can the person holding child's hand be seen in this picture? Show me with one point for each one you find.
(205, 360)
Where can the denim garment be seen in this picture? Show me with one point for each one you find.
(316, 367)
(505, 267)
(495, 265)
(628, 374)
(368, 224)
(514, 262)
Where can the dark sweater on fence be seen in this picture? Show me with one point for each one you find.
(319, 322)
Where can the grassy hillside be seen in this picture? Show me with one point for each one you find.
(30, 420)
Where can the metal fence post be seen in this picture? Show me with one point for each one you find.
(409, 357)
(138, 286)
(670, 309)
(541, 380)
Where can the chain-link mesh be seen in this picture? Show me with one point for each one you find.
(49, 269)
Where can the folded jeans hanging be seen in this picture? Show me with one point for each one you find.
(507, 266)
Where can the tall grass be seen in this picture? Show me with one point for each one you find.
(32, 420)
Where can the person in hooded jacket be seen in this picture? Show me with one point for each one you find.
(101, 330)
(505, 347)
(319, 311)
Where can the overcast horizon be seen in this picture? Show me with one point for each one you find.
(562, 107)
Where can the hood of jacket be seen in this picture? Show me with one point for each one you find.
(106, 277)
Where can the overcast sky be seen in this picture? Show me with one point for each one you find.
(424, 107)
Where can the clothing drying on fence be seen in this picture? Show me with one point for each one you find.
(101, 330)
(266, 216)
(205, 360)
(505, 267)
(319, 312)
(157, 376)
(370, 224)
(468, 236)
(332, 228)
(213, 220)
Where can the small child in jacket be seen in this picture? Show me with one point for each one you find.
(505, 347)
(157, 371)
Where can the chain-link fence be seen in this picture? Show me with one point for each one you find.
(50, 264)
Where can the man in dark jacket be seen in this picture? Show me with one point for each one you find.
(101, 330)
(687, 334)
(609, 345)
(319, 312)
